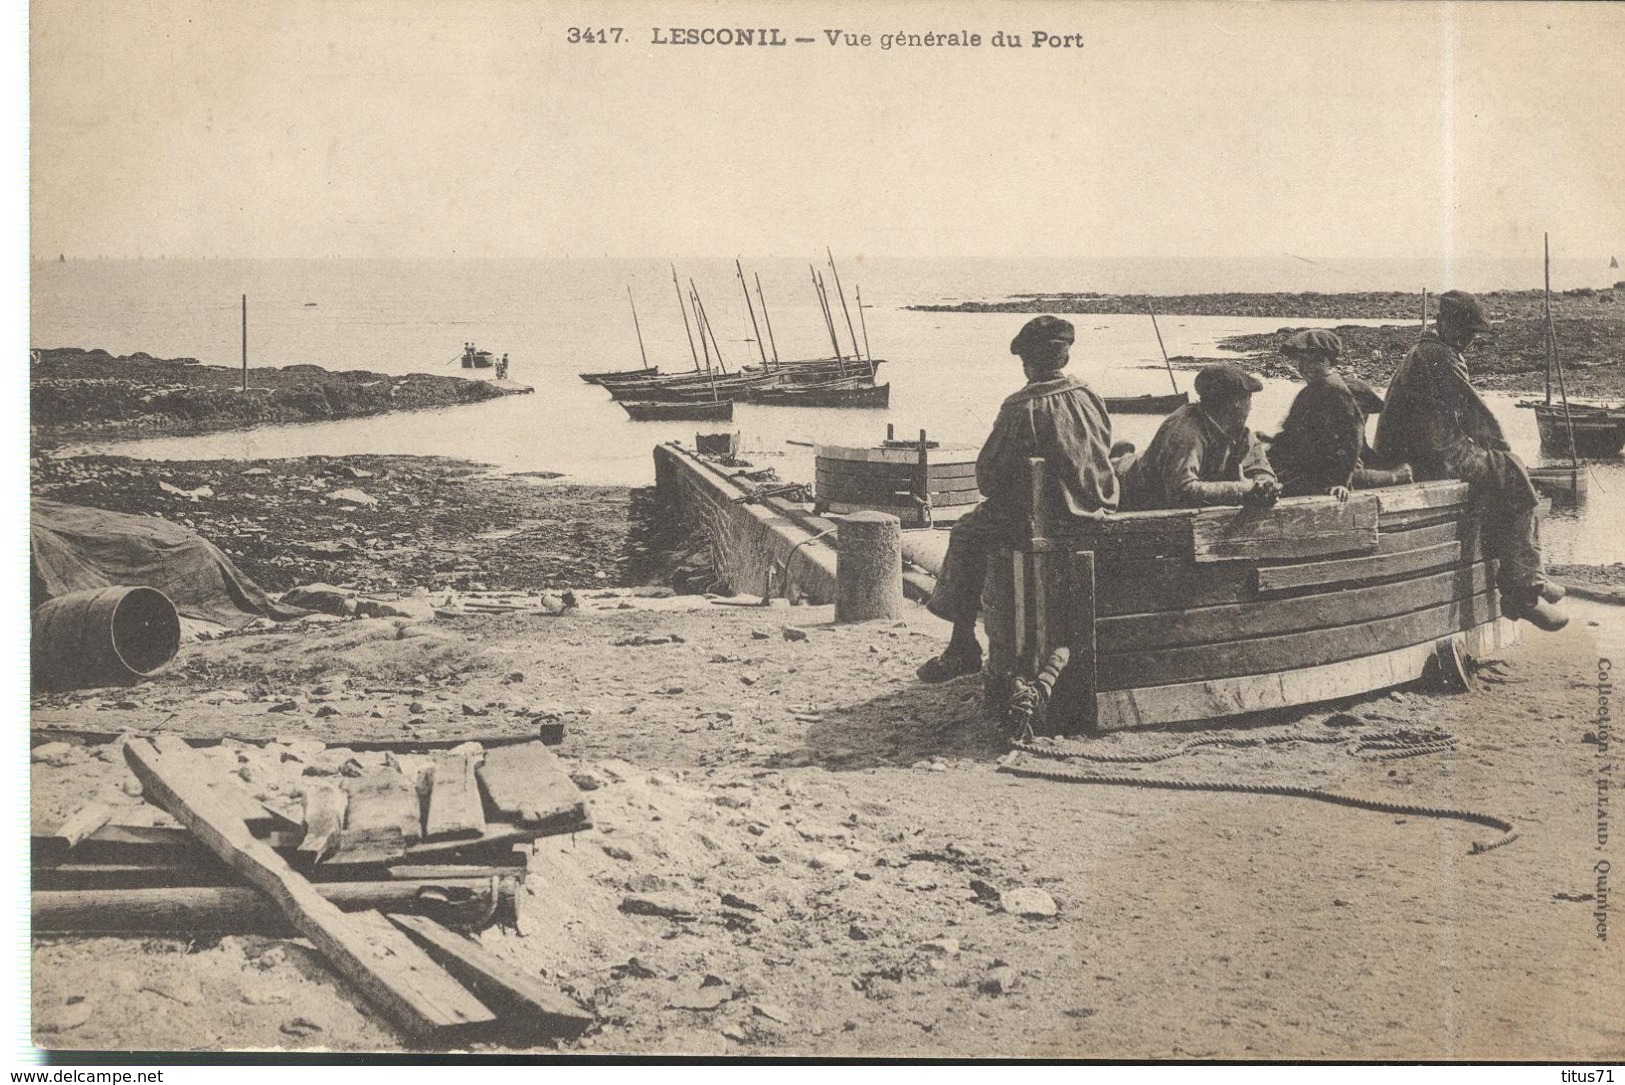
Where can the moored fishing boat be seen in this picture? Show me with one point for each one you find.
(852, 392)
(1599, 431)
(707, 411)
(1147, 404)
(1197, 614)
(620, 375)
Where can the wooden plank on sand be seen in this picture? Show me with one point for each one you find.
(521, 997)
(414, 992)
(455, 807)
(80, 824)
(382, 800)
(229, 789)
(528, 784)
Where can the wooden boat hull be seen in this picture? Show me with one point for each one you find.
(1597, 434)
(841, 394)
(620, 374)
(721, 411)
(1146, 404)
(1198, 614)
(683, 389)
(824, 369)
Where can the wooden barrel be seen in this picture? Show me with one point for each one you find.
(102, 637)
(902, 482)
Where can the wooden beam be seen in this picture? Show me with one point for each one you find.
(1331, 609)
(1082, 712)
(523, 999)
(551, 733)
(424, 1000)
(455, 808)
(528, 784)
(1211, 700)
(232, 909)
(1303, 527)
(1264, 655)
(80, 824)
(226, 786)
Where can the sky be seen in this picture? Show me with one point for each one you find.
(432, 128)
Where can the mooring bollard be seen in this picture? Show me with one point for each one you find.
(869, 568)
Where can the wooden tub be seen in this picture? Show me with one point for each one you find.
(1196, 614)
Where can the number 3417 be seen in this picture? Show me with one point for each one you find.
(589, 36)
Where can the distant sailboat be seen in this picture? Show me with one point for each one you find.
(1613, 261)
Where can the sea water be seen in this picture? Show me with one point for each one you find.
(555, 318)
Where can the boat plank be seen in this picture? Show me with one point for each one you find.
(455, 807)
(1269, 617)
(1218, 698)
(1409, 497)
(528, 784)
(1261, 655)
(383, 800)
(1295, 528)
(1377, 566)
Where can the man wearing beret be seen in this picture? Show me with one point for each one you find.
(1436, 421)
(1319, 448)
(1056, 417)
(1203, 453)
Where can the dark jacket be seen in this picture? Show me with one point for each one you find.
(1436, 421)
(1191, 462)
(1320, 442)
(1062, 420)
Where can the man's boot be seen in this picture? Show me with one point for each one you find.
(1528, 604)
(957, 660)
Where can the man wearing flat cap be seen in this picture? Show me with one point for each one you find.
(1436, 421)
(1318, 448)
(1057, 417)
(1203, 453)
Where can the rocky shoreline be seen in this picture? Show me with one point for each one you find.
(387, 523)
(1590, 327)
(91, 394)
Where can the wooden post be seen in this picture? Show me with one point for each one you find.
(922, 480)
(245, 342)
(1037, 529)
(1081, 682)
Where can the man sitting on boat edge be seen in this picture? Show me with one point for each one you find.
(1056, 417)
(1436, 421)
(1322, 441)
(1203, 453)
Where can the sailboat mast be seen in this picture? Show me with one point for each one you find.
(637, 327)
(682, 309)
(760, 349)
(829, 322)
(840, 293)
(765, 318)
(1552, 360)
(864, 324)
